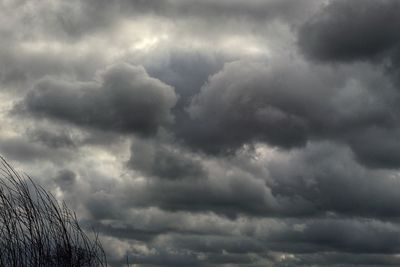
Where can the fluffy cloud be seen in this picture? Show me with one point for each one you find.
(287, 103)
(351, 30)
(125, 99)
(160, 160)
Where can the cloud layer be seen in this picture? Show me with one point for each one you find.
(212, 133)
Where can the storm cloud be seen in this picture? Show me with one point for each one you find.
(211, 133)
(125, 99)
(351, 30)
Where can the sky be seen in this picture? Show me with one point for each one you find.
(211, 133)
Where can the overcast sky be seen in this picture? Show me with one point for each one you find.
(212, 132)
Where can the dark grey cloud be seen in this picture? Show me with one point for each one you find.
(377, 147)
(317, 180)
(101, 12)
(184, 69)
(159, 160)
(209, 133)
(21, 150)
(125, 99)
(354, 242)
(345, 199)
(66, 20)
(235, 101)
(289, 103)
(329, 177)
(74, 20)
(348, 31)
(20, 67)
(351, 30)
(347, 259)
(52, 139)
(349, 236)
(217, 194)
(65, 179)
(252, 10)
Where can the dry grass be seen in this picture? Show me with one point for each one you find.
(36, 230)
